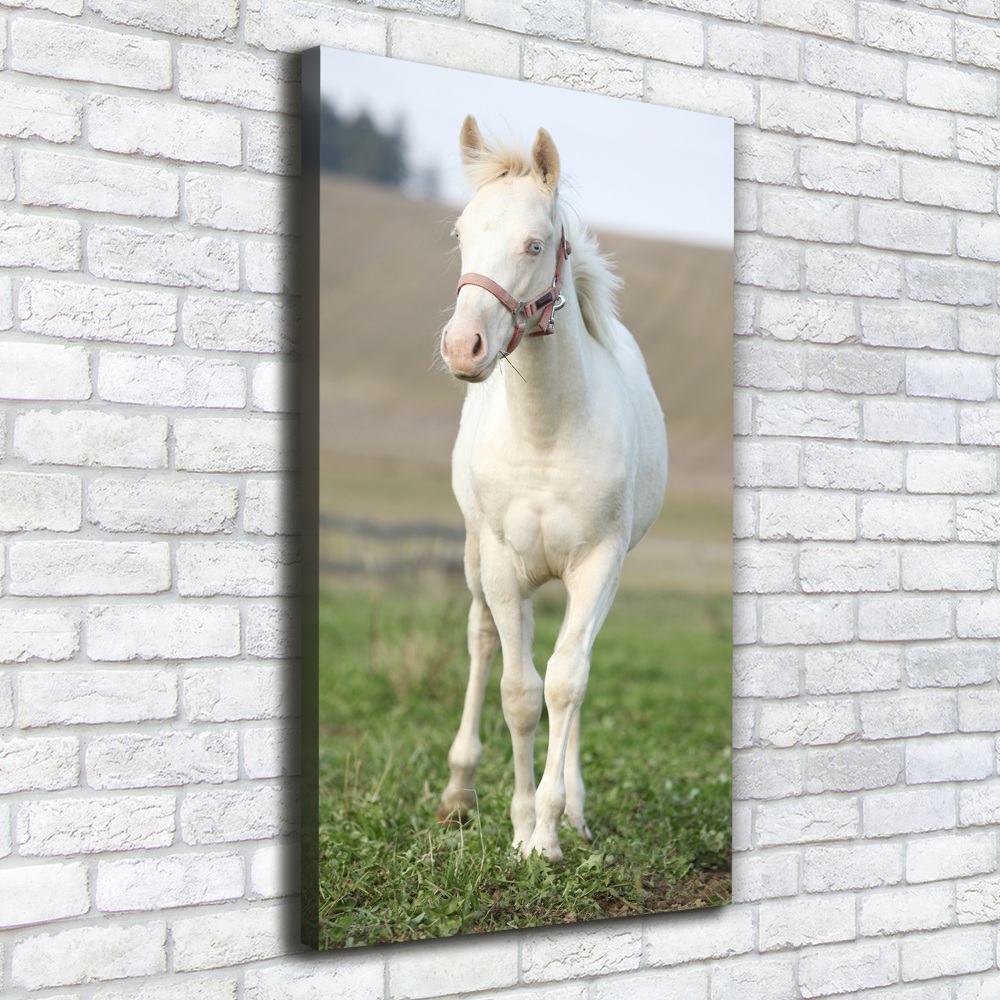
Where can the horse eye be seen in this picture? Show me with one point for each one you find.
(534, 248)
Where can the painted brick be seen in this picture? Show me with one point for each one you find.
(765, 262)
(978, 617)
(978, 902)
(977, 519)
(764, 875)
(802, 622)
(44, 371)
(945, 471)
(270, 507)
(493, 967)
(662, 982)
(221, 444)
(966, 567)
(27, 111)
(93, 185)
(948, 185)
(38, 762)
(272, 633)
(760, 569)
(978, 142)
(766, 463)
(855, 371)
(847, 969)
(817, 218)
(50, 827)
(978, 239)
(787, 923)
(958, 664)
(846, 67)
(37, 241)
(853, 271)
(950, 952)
(352, 975)
(833, 568)
(897, 325)
(79, 437)
(161, 504)
(228, 694)
(694, 90)
(202, 18)
(757, 978)
(268, 26)
(274, 147)
(954, 758)
(933, 86)
(950, 282)
(821, 321)
(126, 253)
(699, 936)
(850, 467)
(229, 815)
(154, 128)
(767, 365)
(652, 33)
(977, 710)
(67, 568)
(909, 129)
(888, 619)
(898, 911)
(895, 30)
(803, 515)
(97, 312)
(221, 324)
(567, 22)
(242, 204)
(30, 500)
(807, 723)
(274, 871)
(917, 423)
(911, 810)
(920, 714)
(766, 775)
(979, 804)
(35, 633)
(241, 79)
(159, 380)
(162, 882)
(844, 170)
(181, 987)
(763, 157)
(72, 697)
(176, 758)
(977, 44)
(243, 569)
(979, 425)
(732, 10)
(807, 416)
(273, 387)
(71, 52)
(807, 111)
(860, 668)
(89, 953)
(174, 631)
(914, 230)
(753, 51)
(853, 768)
(457, 47)
(268, 752)
(38, 894)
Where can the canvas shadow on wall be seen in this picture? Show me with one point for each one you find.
(389, 852)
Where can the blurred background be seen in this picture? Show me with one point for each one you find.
(655, 184)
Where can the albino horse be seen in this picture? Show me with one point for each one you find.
(559, 467)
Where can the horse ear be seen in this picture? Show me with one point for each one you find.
(545, 160)
(470, 141)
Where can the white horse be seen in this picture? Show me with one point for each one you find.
(559, 467)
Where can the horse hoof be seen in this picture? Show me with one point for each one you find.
(455, 816)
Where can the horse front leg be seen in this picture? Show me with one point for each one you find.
(458, 799)
(590, 589)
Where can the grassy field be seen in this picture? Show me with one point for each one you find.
(656, 737)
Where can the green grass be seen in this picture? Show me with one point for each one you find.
(656, 737)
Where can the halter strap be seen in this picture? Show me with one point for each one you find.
(544, 304)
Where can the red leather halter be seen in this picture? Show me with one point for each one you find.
(544, 305)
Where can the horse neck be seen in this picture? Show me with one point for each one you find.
(550, 385)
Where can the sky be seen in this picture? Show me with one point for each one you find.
(626, 166)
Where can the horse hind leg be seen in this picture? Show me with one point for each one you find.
(575, 793)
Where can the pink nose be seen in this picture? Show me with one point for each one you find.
(462, 348)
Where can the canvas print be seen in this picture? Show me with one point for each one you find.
(517, 388)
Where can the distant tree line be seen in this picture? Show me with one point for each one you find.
(356, 146)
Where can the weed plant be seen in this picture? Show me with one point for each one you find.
(656, 730)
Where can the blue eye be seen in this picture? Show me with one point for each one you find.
(534, 248)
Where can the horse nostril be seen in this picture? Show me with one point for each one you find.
(477, 347)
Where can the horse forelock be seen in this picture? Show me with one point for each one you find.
(493, 162)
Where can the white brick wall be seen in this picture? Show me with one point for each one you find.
(147, 235)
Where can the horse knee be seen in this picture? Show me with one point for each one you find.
(521, 698)
(565, 681)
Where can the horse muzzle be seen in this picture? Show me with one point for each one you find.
(464, 350)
